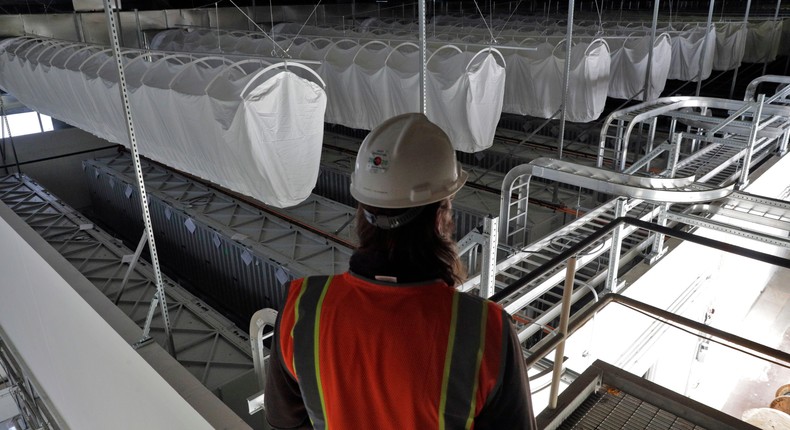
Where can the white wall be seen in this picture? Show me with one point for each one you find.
(80, 365)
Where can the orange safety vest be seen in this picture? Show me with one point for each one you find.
(370, 354)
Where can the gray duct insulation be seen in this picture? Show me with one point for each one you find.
(250, 126)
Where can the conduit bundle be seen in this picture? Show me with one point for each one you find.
(369, 82)
(535, 80)
(630, 62)
(688, 46)
(250, 126)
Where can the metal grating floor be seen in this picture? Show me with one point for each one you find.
(207, 344)
(610, 409)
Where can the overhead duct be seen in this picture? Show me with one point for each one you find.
(252, 126)
(373, 78)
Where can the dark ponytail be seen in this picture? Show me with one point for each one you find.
(425, 242)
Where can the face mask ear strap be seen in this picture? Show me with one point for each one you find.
(389, 222)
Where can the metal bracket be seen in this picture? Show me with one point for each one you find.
(614, 251)
(488, 270)
(159, 297)
(142, 342)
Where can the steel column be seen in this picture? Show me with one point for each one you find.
(160, 289)
(746, 27)
(614, 250)
(423, 60)
(649, 72)
(747, 158)
(705, 46)
(776, 17)
(488, 270)
(566, 76)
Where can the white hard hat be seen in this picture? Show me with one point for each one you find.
(405, 162)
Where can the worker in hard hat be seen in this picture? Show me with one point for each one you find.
(391, 344)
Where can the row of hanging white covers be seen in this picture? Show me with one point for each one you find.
(688, 49)
(763, 41)
(730, 45)
(535, 80)
(251, 126)
(730, 37)
(370, 80)
(630, 57)
(677, 55)
(533, 69)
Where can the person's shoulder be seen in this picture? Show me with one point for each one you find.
(492, 306)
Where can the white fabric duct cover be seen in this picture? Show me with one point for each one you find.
(730, 45)
(370, 82)
(534, 80)
(254, 128)
(687, 47)
(762, 41)
(784, 45)
(629, 66)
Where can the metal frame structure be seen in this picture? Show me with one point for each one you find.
(780, 97)
(252, 252)
(605, 396)
(34, 412)
(159, 297)
(719, 147)
(207, 344)
(773, 124)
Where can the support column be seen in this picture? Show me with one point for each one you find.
(559, 355)
(423, 60)
(747, 158)
(773, 43)
(566, 76)
(746, 28)
(649, 72)
(705, 46)
(614, 248)
(490, 244)
(159, 297)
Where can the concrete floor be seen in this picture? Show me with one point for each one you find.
(768, 322)
(734, 382)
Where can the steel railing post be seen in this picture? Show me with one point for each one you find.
(570, 275)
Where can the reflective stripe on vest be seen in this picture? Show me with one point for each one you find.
(465, 346)
(306, 347)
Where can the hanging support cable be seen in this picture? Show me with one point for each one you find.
(298, 33)
(159, 297)
(284, 51)
(493, 40)
(504, 26)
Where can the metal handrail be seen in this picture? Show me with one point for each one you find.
(543, 349)
(569, 327)
(606, 229)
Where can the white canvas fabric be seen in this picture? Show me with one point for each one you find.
(730, 45)
(784, 41)
(534, 80)
(629, 66)
(687, 49)
(253, 127)
(371, 81)
(762, 41)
